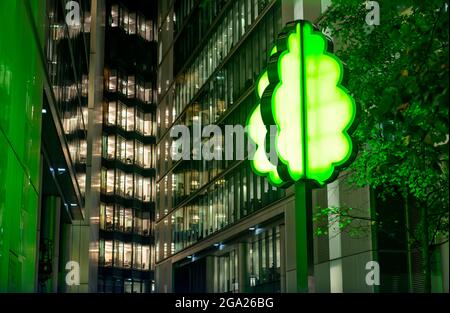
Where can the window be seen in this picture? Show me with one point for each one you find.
(130, 87)
(146, 227)
(145, 257)
(138, 187)
(124, 19)
(122, 115)
(83, 151)
(139, 154)
(109, 147)
(148, 129)
(136, 286)
(132, 23)
(127, 259)
(128, 285)
(114, 15)
(148, 156)
(264, 261)
(129, 157)
(108, 216)
(118, 254)
(227, 272)
(130, 119)
(137, 256)
(108, 253)
(119, 218)
(144, 92)
(120, 183)
(128, 220)
(137, 224)
(102, 221)
(121, 149)
(112, 80)
(139, 121)
(149, 30)
(112, 112)
(129, 185)
(107, 181)
(147, 190)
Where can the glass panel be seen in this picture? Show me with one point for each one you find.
(146, 225)
(147, 190)
(138, 187)
(111, 150)
(108, 253)
(132, 23)
(122, 115)
(112, 84)
(137, 260)
(130, 119)
(139, 156)
(131, 87)
(110, 182)
(147, 124)
(118, 254)
(147, 156)
(130, 152)
(129, 185)
(138, 225)
(109, 214)
(127, 255)
(121, 149)
(145, 257)
(128, 285)
(114, 15)
(112, 113)
(128, 220)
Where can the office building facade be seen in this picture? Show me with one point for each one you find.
(126, 220)
(220, 227)
(44, 70)
(77, 195)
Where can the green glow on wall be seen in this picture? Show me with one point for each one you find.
(21, 93)
(257, 132)
(301, 93)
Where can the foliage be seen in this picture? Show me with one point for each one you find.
(398, 74)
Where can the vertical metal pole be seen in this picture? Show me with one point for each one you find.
(303, 233)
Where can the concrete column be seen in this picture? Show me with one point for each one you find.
(312, 9)
(303, 9)
(243, 277)
(334, 235)
(282, 258)
(210, 273)
(94, 136)
(164, 277)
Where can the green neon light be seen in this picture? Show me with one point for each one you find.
(301, 93)
(257, 132)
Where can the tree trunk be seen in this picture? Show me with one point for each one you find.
(424, 249)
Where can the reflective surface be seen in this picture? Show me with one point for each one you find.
(20, 121)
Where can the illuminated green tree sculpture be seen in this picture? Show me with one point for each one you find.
(300, 93)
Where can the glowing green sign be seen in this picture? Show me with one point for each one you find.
(301, 93)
